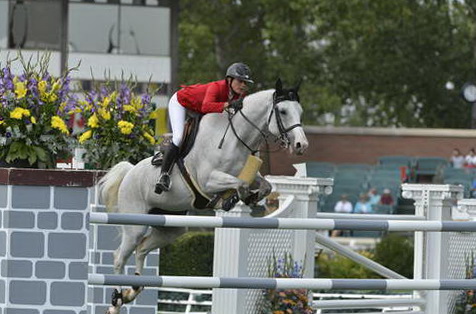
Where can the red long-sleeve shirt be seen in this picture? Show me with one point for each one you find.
(205, 98)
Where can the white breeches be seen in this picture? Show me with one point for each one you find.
(177, 119)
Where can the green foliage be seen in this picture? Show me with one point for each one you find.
(330, 265)
(367, 62)
(393, 251)
(190, 255)
(396, 252)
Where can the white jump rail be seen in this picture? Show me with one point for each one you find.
(282, 223)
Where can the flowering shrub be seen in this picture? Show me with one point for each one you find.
(466, 303)
(287, 300)
(117, 125)
(34, 111)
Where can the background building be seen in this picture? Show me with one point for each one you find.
(111, 39)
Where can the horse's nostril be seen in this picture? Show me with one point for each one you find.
(298, 145)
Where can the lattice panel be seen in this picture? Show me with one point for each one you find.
(460, 243)
(262, 245)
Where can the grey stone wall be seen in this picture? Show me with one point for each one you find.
(43, 255)
(45, 245)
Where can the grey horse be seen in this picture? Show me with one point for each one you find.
(130, 189)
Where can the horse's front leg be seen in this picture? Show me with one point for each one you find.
(260, 188)
(219, 181)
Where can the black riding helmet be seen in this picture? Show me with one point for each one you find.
(239, 71)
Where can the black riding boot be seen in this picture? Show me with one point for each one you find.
(170, 156)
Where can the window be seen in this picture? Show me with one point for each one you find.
(145, 30)
(3, 24)
(93, 28)
(35, 24)
(120, 29)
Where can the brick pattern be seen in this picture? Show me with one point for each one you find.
(45, 246)
(43, 265)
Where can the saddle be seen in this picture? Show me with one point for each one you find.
(192, 123)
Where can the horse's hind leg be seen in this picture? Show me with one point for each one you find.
(131, 237)
(157, 238)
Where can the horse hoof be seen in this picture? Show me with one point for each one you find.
(116, 299)
(230, 202)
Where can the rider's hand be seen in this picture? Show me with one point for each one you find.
(236, 104)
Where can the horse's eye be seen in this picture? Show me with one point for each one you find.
(283, 112)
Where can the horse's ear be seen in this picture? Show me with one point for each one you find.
(279, 86)
(298, 85)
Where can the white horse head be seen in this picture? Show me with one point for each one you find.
(285, 118)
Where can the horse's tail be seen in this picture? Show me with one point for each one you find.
(109, 184)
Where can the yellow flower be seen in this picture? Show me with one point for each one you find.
(52, 97)
(129, 108)
(113, 96)
(85, 136)
(42, 87)
(137, 102)
(18, 113)
(20, 90)
(93, 121)
(149, 137)
(106, 101)
(105, 114)
(2, 122)
(58, 123)
(33, 120)
(125, 127)
(56, 86)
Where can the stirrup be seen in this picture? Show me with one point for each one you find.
(164, 184)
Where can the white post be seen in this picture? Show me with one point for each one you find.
(306, 191)
(435, 202)
(232, 256)
(230, 259)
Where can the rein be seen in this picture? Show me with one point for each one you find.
(283, 131)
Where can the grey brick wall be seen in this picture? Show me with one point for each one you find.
(43, 249)
(45, 246)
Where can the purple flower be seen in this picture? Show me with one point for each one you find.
(33, 87)
(146, 98)
(8, 134)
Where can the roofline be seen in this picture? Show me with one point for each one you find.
(391, 131)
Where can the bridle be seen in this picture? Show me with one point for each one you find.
(283, 137)
(283, 131)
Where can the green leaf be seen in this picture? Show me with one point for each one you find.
(42, 155)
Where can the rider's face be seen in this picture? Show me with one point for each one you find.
(238, 86)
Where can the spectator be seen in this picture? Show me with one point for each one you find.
(374, 197)
(457, 159)
(363, 206)
(343, 205)
(470, 159)
(386, 198)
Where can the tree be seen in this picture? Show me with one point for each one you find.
(367, 62)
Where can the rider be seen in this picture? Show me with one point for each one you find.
(203, 98)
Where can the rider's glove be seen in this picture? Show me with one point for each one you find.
(236, 104)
